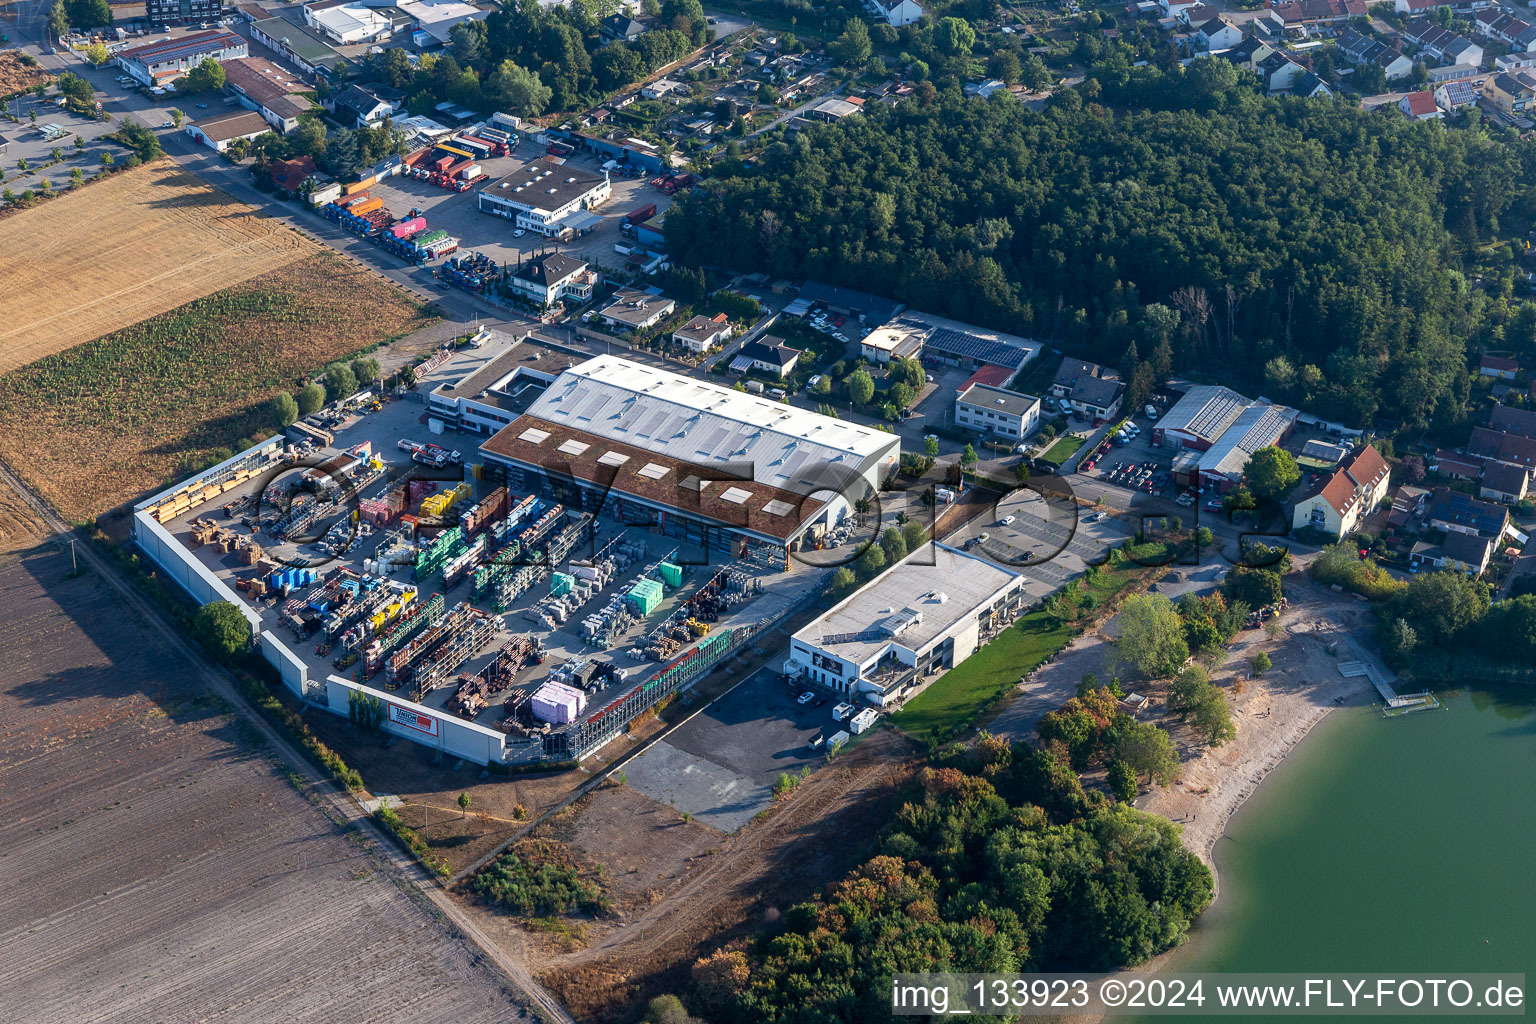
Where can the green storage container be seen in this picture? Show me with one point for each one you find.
(671, 574)
(646, 596)
(560, 584)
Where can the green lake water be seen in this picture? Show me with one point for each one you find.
(1389, 845)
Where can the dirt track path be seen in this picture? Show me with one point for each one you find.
(754, 866)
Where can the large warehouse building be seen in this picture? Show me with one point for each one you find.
(733, 473)
(547, 198)
(927, 613)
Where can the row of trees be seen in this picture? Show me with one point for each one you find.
(1310, 231)
(999, 862)
(338, 381)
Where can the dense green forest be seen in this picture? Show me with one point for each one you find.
(1000, 863)
(1306, 247)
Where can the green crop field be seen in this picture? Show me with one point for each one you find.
(103, 422)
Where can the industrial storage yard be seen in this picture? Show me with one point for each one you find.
(160, 864)
(142, 242)
(446, 630)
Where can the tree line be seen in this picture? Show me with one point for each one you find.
(998, 861)
(1230, 230)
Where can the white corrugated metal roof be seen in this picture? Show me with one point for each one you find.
(699, 422)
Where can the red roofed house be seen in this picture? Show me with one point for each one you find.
(1498, 366)
(1336, 505)
(288, 175)
(1420, 106)
(1457, 466)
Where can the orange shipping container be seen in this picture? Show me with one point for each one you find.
(360, 186)
(367, 206)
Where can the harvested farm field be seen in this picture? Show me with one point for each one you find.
(123, 249)
(160, 866)
(114, 418)
(16, 74)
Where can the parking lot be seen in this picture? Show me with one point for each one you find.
(720, 765)
(458, 212)
(1045, 536)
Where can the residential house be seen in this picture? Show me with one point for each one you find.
(1518, 35)
(1337, 503)
(1503, 482)
(1498, 366)
(273, 91)
(1460, 552)
(1218, 34)
(1309, 86)
(1466, 553)
(620, 28)
(1093, 390)
(1501, 446)
(552, 277)
(1512, 420)
(897, 14)
(1177, 8)
(770, 354)
(703, 334)
(1003, 413)
(1420, 106)
(290, 175)
(1441, 44)
(1427, 6)
(1247, 53)
(1455, 465)
(221, 130)
(1407, 506)
(834, 108)
(1301, 13)
(1194, 17)
(358, 107)
(633, 310)
(1456, 512)
(1510, 92)
(1362, 49)
(1279, 73)
(1455, 95)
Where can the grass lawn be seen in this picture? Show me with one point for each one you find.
(1063, 449)
(951, 704)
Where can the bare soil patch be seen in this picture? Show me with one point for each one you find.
(114, 418)
(681, 889)
(20, 527)
(139, 243)
(161, 866)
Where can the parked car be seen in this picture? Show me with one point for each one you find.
(805, 698)
(1005, 521)
(813, 381)
(1214, 505)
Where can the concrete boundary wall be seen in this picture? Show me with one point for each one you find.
(275, 441)
(183, 567)
(289, 665)
(440, 730)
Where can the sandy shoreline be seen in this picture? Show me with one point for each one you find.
(1273, 713)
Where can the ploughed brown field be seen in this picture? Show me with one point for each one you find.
(159, 866)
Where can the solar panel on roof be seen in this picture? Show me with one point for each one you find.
(736, 495)
(574, 447)
(533, 435)
(651, 471)
(778, 508)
